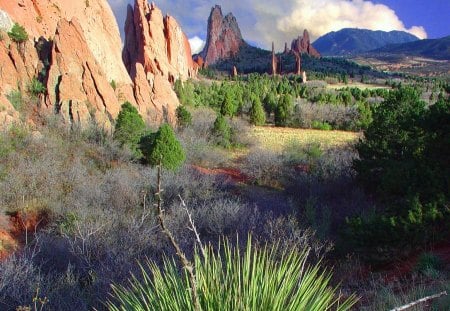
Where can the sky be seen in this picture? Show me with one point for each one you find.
(264, 21)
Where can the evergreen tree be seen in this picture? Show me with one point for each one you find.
(284, 110)
(228, 107)
(184, 117)
(270, 103)
(163, 147)
(129, 128)
(222, 132)
(257, 115)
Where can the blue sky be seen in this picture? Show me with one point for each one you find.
(264, 21)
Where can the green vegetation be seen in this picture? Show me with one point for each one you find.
(16, 99)
(162, 147)
(129, 128)
(18, 33)
(256, 113)
(113, 84)
(36, 87)
(404, 160)
(184, 117)
(254, 280)
(222, 132)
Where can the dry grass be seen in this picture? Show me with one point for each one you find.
(276, 139)
(359, 85)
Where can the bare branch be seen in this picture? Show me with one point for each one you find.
(187, 265)
(425, 299)
(193, 228)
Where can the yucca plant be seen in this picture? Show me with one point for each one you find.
(226, 280)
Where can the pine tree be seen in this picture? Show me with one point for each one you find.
(163, 147)
(129, 128)
(257, 115)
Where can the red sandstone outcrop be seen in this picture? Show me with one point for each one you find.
(224, 38)
(100, 29)
(74, 49)
(234, 72)
(77, 87)
(298, 64)
(156, 53)
(274, 70)
(303, 45)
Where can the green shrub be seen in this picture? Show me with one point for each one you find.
(270, 103)
(284, 110)
(18, 33)
(113, 84)
(257, 115)
(16, 99)
(318, 125)
(163, 147)
(129, 128)
(184, 117)
(429, 263)
(36, 87)
(222, 132)
(230, 281)
(404, 161)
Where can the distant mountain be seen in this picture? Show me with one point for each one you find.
(430, 48)
(350, 41)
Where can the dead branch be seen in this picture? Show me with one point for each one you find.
(187, 265)
(192, 227)
(425, 299)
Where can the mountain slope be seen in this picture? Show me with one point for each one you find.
(431, 48)
(353, 41)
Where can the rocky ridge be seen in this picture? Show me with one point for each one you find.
(303, 45)
(224, 38)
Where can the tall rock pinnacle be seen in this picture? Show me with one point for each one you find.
(224, 38)
(303, 45)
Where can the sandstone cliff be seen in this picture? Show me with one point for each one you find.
(156, 54)
(303, 45)
(74, 50)
(224, 38)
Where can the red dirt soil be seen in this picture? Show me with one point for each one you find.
(230, 174)
(17, 228)
(396, 271)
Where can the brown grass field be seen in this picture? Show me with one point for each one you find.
(276, 138)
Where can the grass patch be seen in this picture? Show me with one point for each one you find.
(277, 139)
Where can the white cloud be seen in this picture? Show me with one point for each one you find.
(264, 21)
(197, 44)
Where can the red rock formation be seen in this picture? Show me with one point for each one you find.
(200, 62)
(234, 72)
(41, 17)
(80, 58)
(303, 45)
(286, 49)
(298, 65)
(77, 87)
(156, 53)
(224, 38)
(274, 61)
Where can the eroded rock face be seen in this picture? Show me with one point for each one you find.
(77, 87)
(100, 29)
(303, 45)
(224, 38)
(74, 49)
(156, 54)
